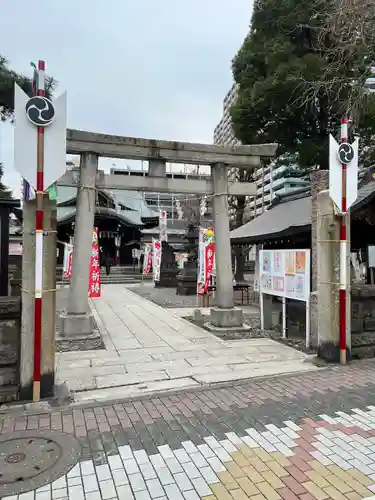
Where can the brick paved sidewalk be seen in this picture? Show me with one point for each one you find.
(307, 436)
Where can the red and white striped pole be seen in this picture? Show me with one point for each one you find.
(39, 244)
(343, 251)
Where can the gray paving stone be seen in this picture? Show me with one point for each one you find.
(76, 492)
(120, 478)
(181, 456)
(157, 461)
(142, 495)
(164, 476)
(209, 475)
(137, 482)
(190, 469)
(131, 466)
(125, 492)
(90, 483)
(103, 472)
(94, 496)
(129, 379)
(173, 493)
(201, 486)
(61, 493)
(115, 462)
(141, 457)
(107, 489)
(147, 471)
(155, 488)
(74, 481)
(183, 481)
(191, 495)
(173, 465)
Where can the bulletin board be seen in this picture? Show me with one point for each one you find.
(285, 273)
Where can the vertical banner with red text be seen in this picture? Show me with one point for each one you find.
(163, 235)
(156, 258)
(209, 264)
(147, 259)
(68, 255)
(206, 260)
(94, 280)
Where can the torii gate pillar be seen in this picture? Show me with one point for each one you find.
(224, 315)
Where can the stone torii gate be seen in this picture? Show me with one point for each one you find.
(76, 322)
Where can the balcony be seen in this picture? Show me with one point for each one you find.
(266, 188)
(287, 189)
(266, 180)
(294, 182)
(259, 173)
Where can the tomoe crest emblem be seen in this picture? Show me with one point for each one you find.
(346, 153)
(40, 111)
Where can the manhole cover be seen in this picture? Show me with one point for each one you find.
(31, 459)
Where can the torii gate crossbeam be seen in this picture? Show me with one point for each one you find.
(76, 321)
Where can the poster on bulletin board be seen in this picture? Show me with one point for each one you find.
(285, 273)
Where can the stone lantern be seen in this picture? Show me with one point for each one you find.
(187, 277)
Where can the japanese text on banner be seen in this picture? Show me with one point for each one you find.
(147, 259)
(156, 258)
(94, 280)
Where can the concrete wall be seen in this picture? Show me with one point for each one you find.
(10, 333)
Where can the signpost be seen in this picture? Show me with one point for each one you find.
(40, 158)
(343, 190)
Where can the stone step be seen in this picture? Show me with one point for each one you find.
(113, 279)
(123, 279)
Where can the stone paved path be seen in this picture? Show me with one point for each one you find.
(295, 437)
(149, 348)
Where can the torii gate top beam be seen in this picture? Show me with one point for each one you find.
(133, 148)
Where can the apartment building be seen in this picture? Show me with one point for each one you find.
(275, 180)
(223, 133)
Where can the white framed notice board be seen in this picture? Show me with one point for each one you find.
(286, 274)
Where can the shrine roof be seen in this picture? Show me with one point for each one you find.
(290, 217)
(133, 209)
(128, 217)
(285, 218)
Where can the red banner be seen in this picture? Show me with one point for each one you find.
(94, 280)
(147, 259)
(68, 255)
(69, 270)
(209, 264)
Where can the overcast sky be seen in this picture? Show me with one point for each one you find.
(145, 68)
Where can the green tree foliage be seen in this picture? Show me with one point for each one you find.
(8, 78)
(301, 67)
(4, 191)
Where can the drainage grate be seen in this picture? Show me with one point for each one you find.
(31, 459)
